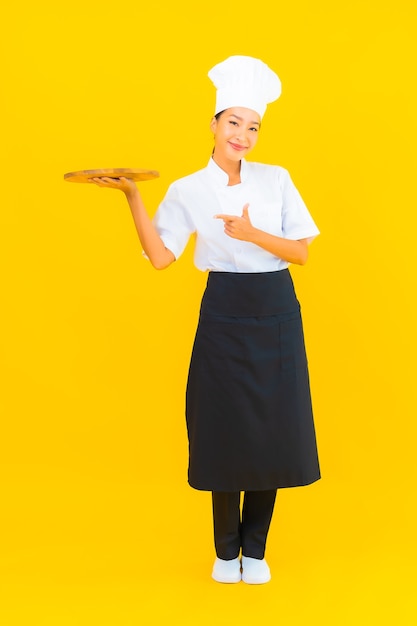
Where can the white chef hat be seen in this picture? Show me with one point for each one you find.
(244, 82)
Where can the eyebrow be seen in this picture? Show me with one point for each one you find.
(241, 119)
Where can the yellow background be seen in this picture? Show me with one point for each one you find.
(98, 523)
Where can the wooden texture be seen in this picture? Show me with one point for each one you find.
(135, 174)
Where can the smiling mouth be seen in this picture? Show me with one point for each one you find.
(237, 146)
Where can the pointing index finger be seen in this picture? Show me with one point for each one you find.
(223, 216)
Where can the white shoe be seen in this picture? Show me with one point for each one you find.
(255, 571)
(226, 571)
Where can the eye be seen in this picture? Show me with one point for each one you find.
(233, 122)
(254, 129)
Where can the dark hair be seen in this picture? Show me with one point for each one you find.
(217, 117)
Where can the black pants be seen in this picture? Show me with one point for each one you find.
(247, 531)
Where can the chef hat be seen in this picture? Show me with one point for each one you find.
(244, 82)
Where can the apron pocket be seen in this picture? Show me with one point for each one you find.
(291, 342)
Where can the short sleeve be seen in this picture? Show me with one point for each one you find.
(172, 221)
(297, 222)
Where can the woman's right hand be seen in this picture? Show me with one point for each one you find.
(127, 185)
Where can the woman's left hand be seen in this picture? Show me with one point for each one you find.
(293, 251)
(237, 227)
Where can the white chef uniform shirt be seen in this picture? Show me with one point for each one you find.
(275, 206)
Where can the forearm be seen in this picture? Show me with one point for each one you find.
(289, 250)
(152, 244)
(240, 227)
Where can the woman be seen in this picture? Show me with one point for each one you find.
(248, 406)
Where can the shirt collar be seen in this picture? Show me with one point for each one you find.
(220, 176)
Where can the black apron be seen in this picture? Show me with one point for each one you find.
(248, 405)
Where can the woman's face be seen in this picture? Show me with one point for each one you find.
(235, 132)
